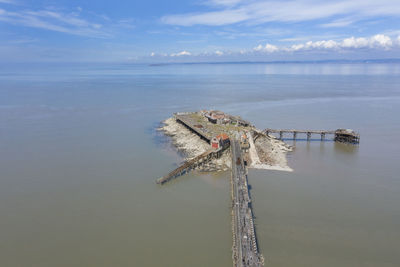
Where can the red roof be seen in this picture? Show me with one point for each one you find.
(223, 136)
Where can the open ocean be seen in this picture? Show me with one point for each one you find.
(79, 156)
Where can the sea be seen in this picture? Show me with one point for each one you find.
(80, 154)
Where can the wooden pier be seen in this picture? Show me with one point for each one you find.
(339, 135)
(245, 251)
(245, 248)
(191, 164)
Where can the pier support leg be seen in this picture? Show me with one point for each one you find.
(294, 135)
(308, 136)
(322, 136)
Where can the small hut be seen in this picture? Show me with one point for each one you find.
(215, 142)
(221, 140)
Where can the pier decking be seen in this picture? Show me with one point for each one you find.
(191, 164)
(244, 250)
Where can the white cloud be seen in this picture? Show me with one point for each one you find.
(338, 23)
(259, 11)
(379, 41)
(310, 45)
(182, 53)
(355, 42)
(269, 48)
(7, 1)
(54, 21)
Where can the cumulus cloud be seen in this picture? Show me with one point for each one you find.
(269, 48)
(260, 11)
(182, 53)
(219, 53)
(379, 41)
(355, 42)
(324, 44)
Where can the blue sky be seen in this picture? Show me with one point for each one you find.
(198, 30)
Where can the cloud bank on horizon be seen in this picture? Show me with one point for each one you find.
(206, 30)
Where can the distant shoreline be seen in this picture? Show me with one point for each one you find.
(333, 61)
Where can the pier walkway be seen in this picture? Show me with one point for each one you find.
(245, 249)
(340, 135)
(191, 164)
(281, 132)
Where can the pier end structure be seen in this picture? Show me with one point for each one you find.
(347, 136)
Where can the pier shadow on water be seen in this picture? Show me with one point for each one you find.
(343, 148)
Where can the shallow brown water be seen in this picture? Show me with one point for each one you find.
(79, 157)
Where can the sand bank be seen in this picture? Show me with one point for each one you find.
(273, 153)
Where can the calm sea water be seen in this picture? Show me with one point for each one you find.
(79, 156)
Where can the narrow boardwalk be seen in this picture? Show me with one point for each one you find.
(245, 249)
(191, 164)
(323, 133)
(340, 135)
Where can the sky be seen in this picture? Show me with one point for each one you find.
(198, 30)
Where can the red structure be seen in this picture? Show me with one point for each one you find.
(219, 141)
(215, 142)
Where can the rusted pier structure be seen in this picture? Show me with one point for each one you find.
(245, 249)
(192, 164)
(191, 125)
(339, 135)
